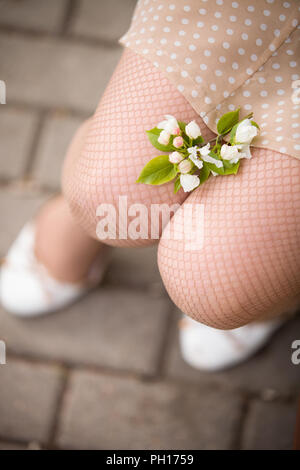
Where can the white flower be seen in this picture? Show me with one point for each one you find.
(192, 130)
(185, 166)
(245, 132)
(189, 182)
(231, 153)
(175, 157)
(170, 125)
(194, 157)
(204, 151)
(245, 151)
(163, 138)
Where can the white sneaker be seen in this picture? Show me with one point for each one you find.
(209, 349)
(26, 287)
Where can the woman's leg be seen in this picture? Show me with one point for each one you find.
(116, 146)
(249, 266)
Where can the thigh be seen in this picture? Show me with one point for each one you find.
(116, 146)
(249, 266)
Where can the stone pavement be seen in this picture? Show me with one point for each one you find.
(107, 373)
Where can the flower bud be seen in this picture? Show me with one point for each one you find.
(245, 132)
(192, 130)
(185, 166)
(163, 138)
(189, 182)
(178, 142)
(175, 157)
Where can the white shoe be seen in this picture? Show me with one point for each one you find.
(26, 287)
(209, 349)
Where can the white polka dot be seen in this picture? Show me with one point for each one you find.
(262, 80)
(233, 18)
(278, 129)
(180, 88)
(196, 36)
(258, 42)
(194, 93)
(286, 4)
(214, 27)
(290, 52)
(185, 21)
(281, 103)
(182, 32)
(200, 24)
(267, 12)
(280, 111)
(241, 51)
(282, 149)
(235, 5)
(249, 71)
(279, 138)
(235, 65)
(248, 22)
(297, 147)
(275, 66)
(163, 41)
(207, 52)
(222, 59)
(250, 8)
(246, 93)
(263, 27)
(265, 142)
(231, 80)
(203, 66)
(231, 107)
(169, 18)
(293, 64)
(177, 43)
(159, 52)
(169, 69)
(264, 93)
(218, 14)
(295, 124)
(188, 60)
(295, 23)
(295, 76)
(265, 105)
(265, 116)
(272, 47)
(198, 79)
(280, 119)
(253, 57)
(280, 92)
(192, 47)
(229, 32)
(248, 106)
(277, 32)
(187, 8)
(296, 136)
(207, 100)
(282, 17)
(226, 45)
(219, 73)
(225, 94)
(295, 116)
(244, 36)
(172, 6)
(184, 73)
(278, 79)
(202, 11)
(166, 29)
(219, 2)
(145, 51)
(211, 40)
(173, 56)
(213, 86)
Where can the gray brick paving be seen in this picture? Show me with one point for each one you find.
(125, 385)
(28, 400)
(128, 414)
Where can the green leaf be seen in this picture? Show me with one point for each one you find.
(205, 173)
(232, 134)
(198, 141)
(227, 121)
(212, 166)
(153, 136)
(231, 168)
(255, 124)
(158, 171)
(177, 185)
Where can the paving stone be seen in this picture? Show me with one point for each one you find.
(16, 133)
(28, 396)
(270, 369)
(16, 208)
(54, 141)
(116, 328)
(11, 446)
(270, 426)
(40, 15)
(55, 73)
(103, 20)
(107, 412)
(135, 267)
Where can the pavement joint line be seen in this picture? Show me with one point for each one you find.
(70, 9)
(238, 435)
(60, 405)
(166, 340)
(69, 38)
(48, 110)
(31, 157)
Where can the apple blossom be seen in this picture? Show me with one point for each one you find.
(185, 166)
(192, 130)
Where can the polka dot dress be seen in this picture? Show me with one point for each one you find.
(222, 55)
